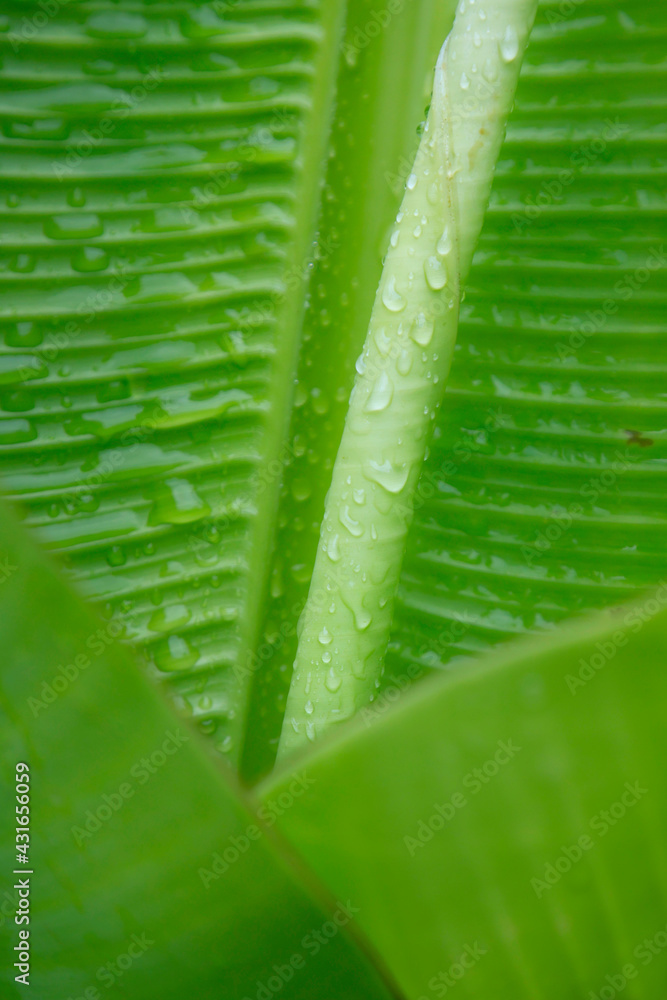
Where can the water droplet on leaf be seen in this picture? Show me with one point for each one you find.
(422, 329)
(354, 527)
(391, 296)
(333, 681)
(404, 362)
(444, 243)
(381, 394)
(436, 275)
(325, 636)
(333, 549)
(509, 46)
(391, 477)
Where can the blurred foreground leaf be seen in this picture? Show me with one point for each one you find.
(150, 876)
(507, 825)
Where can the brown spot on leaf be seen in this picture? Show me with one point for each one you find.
(636, 437)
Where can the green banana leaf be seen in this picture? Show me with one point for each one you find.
(543, 496)
(152, 455)
(505, 828)
(161, 173)
(506, 825)
(373, 143)
(195, 200)
(149, 875)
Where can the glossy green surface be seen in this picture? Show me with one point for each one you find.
(401, 373)
(504, 828)
(544, 494)
(546, 408)
(150, 876)
(374, 140)
(158, 185)
(147, 444)
(152, 284)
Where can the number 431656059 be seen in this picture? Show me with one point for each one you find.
(22, 812)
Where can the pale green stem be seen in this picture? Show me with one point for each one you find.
(402, 371)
